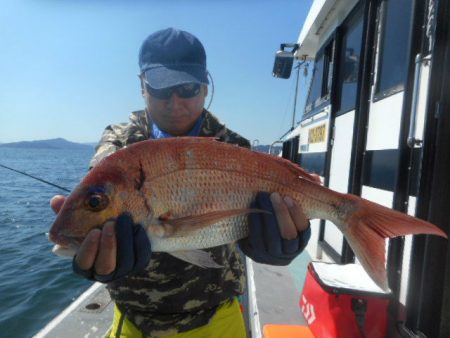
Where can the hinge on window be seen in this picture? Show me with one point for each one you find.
(438, 110)
(333, 129)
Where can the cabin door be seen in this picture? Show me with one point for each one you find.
(348, 54)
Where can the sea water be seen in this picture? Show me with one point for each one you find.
(35, 285)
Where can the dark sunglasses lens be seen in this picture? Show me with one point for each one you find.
(187, 91)
(162, 94)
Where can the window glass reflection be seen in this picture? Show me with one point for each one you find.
(349, 65)
(316, 83)
(393, 59)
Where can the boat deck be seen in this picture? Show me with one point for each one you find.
(272, 298)
(274, 293)
(89, 316)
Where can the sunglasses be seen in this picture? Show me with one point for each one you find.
(184, 91)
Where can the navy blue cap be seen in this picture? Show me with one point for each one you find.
(172, 57)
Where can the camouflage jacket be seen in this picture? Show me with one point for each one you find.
(172, 296)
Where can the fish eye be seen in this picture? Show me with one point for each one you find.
(96, 201)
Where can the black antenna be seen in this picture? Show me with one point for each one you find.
(36, 178)
(212, 93)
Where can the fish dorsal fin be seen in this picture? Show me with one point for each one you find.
(183, 225)
(200, 258)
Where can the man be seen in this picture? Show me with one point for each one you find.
(157, 295)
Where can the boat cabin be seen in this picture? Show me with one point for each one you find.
(376, 124)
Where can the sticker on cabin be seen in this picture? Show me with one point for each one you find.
(317, 134)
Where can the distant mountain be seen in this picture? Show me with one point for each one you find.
(265, 149)
(60, 143)
(57, 143)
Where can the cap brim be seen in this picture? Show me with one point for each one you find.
(163, 77)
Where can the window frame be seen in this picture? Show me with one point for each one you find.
(325, 92)
(356, 17)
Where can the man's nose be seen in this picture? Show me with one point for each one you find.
(174, 101)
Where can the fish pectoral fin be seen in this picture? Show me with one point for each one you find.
(184, 225)
(200, 258)
(165, 216)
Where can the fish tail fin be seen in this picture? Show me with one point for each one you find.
(389, 223)
(368, 226)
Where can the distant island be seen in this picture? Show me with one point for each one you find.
(56, 143)
(60, 143)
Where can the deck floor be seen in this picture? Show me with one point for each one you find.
(90, 316)
(274, 294)
(273, 297)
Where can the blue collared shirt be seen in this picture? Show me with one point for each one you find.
(195, 131)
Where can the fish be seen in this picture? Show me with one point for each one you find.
(193, 193)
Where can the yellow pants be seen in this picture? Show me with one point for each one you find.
(227, 322)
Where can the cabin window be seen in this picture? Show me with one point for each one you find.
(347, 84)
(290, 149)
(393, 59)
(315, 91)
(328, 70)
(320, 88)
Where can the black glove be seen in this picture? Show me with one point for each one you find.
(133, 251)
(264, 243)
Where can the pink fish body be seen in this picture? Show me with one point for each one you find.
(192, 193)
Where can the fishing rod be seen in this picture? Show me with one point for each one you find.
(36, 178)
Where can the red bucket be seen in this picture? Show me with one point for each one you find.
(341, 301)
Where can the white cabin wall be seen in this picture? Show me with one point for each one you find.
(384, 123)
(340, 170)
(313, 247)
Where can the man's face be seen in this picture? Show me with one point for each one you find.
(175, 115)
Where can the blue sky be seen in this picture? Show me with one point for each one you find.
(69, 68)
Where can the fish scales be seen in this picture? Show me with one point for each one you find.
(195, 192)
(192, 193)
(195, 182)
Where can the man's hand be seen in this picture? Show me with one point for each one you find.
(279, 237)
(118, 249)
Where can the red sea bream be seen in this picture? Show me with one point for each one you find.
(193, 193)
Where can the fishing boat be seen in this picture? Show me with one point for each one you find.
(375, 124)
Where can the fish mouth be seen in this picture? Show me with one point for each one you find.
(65, 240)
(65, 246)
(65, 251)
